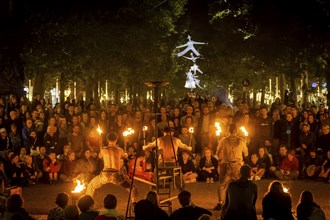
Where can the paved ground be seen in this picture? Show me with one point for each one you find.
(40, 198)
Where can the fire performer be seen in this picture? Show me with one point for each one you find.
(169, 151)
(231, 150)
(114, 170)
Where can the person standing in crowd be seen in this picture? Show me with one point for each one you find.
(241, 198)
(263, 128)
(231, 151)
(276, 204)
(289, 132)
(323, 142)
(188, 211)
(203, 130)
(308, 209)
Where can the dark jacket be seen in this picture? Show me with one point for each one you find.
(189, 213)
(240, 200)
(277, 206)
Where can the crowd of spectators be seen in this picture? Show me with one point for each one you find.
(44, 143)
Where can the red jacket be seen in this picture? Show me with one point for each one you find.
(288, 165)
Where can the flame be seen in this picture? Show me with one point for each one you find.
(79, 187)
(99, 130)
(128, 132)
(218, 131)
(191, 130)
(244, 131)
(286, 190)
(145, 128)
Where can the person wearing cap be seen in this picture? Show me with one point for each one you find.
(169, 146)
(231, 151)
(113, 170)
(241, 197)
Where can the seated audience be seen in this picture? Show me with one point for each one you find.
(109, 209)
(68, 167)
(188, 169)
(86, 166)
(257, 168)
(51, 167)
(241, 197)
(85, 205)
(208, 165)
(188, 211)
(325, 169)
(265, 159)
(61, 201)
(289, 168)
(71, 212)
(308, 209)
(144, 210)
(160, 214)
(140, 167)
(312, 165)
(15, 209)
(30, 171)
(276, 204)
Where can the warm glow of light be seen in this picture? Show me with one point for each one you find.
(191, 130)
(244, 131)
(79, 187)
(145, 128)
(218, 127)
(286, 190)
(99, 130)
(128, 132)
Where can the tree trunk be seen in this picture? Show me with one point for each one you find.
(38, 85)
(62, 88)
(116, 101)
(254, 101)
(282, 86)
(304, 90)
(89, 88)
(293, 90)
(96, 97)
(262, 101)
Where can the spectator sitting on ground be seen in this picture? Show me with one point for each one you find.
(312, 165)
(241, 197)
(276, 204)
(15, 207)
(51, 167)
(209, 167)
(140, 167)
(188, 168)
(61, 201)
(109, 211)
(85, 205)
(67, 168)
(257, 168)
(71, 212)
(289, 168)
(308, 209)
(325, 169)
(153, 197)
(188, 211)
(265, 159)
(86, 167)
(144, 210)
